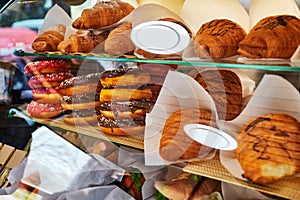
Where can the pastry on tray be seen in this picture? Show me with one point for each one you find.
(268, 148)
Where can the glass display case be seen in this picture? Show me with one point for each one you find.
(268, 89)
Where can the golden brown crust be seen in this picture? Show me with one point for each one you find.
(82, 121)
(119, 41)
(46, 96)
(79, 106)
(79, 89)
(83, 41)
(49, 39)
(225, 88)
(218, 38)
(124, 131)
(103, 13)
(268, 148)
(175, 144)
(124, 77)
(124, 94)
(272, 37)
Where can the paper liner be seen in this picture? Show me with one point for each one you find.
(260, 9)
(179, 91)
(274, 94)
(174, 5)
(55, 15)
(198, 12)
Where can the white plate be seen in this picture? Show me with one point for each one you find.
(160, 37)
(210, 136)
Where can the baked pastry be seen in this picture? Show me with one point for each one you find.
(179, 188)
(102, 14)
(121, 126)
(83, 41)
(125, 99)
(175, 144)
(125, 94)
(47, 67)
(126, 109)
(41, 110)
(124, 77)
(49, 39)
(225, 88)
(268, 147)
(272, 37)
(80, 84)
(119, 41)
(47, 95)
(218, 38)
(48, 80)
(81, 99)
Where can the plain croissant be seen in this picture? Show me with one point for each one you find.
(119, 41)
(49, 39)
(83, 41)
(103, 13)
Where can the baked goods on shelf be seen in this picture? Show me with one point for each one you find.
(80, 100)
(268, 148)
(119, 41)
(188, 186)
(47, 67)
(175, 144)
(127, 95)
(124, 77)
(48, 80)
(272, 37)
(102, 14)
(44, 110)
(83, 41)
(50, 38)
(218, 38)
(47, 95)
(80, 84)
(225, 88)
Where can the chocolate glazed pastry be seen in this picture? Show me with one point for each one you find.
(225, 88)
(218, 38)
(272, 37)
(268, 148)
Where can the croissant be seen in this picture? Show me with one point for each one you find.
(83, 41)
(119, 41)
(272, 37)
(218, 38)
(49, 39)
(175, 144)
(103, 13)
(268, 147)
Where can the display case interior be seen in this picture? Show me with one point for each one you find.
(250, 91)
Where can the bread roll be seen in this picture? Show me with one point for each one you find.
(268, 148)
(272, 37)
(218, 38)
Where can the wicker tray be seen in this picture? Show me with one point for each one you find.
(286, 188)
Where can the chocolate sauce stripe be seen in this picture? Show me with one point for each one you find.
(288, 144)
(271, 129)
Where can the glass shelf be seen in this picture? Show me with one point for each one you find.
(269, 65)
